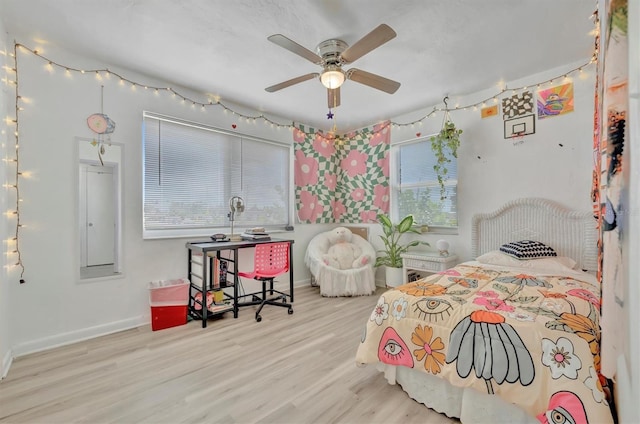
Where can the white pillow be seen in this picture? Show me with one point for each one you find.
(496, 257)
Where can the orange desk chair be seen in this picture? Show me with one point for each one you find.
(270, 260)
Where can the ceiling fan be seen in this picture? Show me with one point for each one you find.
(334, 53)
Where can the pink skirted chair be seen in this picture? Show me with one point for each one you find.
(358, 280)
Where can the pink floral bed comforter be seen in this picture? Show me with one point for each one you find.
(531, 339)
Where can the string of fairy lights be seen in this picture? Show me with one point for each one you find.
(13, 243)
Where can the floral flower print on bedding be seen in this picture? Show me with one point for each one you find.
(585, 294)
(485, 342)
(559, 356)
(380, 312)
(429, 349)
(399, 309)
(493, 304)
(585, 327)
(420, 288)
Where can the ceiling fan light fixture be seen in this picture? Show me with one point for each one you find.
(332, 77)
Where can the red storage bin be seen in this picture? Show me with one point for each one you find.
(168, 316)
(169, 301)
(169, 292)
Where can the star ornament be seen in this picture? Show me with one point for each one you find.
(330, 114)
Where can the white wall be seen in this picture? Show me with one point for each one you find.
(493, 171)
(54, 308)
(6, 95)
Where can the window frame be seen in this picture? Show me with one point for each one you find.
(394, 182)
(162, 233)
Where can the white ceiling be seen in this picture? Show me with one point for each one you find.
(443, 47)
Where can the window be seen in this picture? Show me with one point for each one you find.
(192, 170)
(415, 186)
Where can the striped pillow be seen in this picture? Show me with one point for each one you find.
(527, 249)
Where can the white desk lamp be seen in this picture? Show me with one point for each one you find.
(236, 206)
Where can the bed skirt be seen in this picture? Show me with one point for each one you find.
(467, 404)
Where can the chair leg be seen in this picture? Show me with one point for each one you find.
(273, 301)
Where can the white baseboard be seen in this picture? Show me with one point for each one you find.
(63, 339)
(6, 363)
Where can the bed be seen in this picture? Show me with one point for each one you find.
(501, 339)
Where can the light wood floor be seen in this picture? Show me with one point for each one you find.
(296, 368)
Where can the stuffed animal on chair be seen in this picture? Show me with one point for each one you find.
(342, 253)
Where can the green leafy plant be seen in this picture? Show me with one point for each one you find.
(391, 238)
(445, 145)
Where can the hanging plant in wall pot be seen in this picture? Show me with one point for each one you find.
(445, 145)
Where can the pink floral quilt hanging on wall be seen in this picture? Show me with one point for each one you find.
(343, 179)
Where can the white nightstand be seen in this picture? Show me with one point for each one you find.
(427, 262)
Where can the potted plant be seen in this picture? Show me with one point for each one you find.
(390, 255)
(444, 145)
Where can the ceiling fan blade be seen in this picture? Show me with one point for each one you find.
(380, 35)
(291, 82)
(294, 47)
(373, 80)
(333, 96)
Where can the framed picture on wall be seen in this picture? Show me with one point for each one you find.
(520, 126)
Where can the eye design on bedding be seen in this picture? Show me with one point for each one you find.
(393, 350)
(564, 408)
(432, 309)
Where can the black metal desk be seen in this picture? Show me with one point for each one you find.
(204, 247)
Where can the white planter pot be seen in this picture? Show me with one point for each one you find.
(394, 276)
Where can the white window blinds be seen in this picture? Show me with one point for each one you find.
(417, 190)
(192, 170)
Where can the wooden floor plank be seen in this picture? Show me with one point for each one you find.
(296, 368)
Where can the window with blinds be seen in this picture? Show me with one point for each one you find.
(416, 190)
(192, 170)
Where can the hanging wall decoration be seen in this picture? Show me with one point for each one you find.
(445, 146)
(489, 111)
(519, 127)
(555, 101)
(517, 105)
(342, 179)
(102, 125)
(615, 211)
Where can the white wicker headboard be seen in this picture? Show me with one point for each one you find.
(569, 233)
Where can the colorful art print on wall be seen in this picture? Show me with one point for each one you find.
(343, 179)
(489, 111)
(517, 105)
(555, 101)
